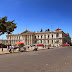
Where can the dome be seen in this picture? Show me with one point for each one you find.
(58, 29)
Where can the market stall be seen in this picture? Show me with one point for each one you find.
(20, 45)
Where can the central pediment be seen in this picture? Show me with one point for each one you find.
(26, 32)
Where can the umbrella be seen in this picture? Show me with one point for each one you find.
(19, 43)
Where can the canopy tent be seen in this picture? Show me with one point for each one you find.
(19, 43)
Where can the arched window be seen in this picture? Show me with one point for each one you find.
(38, 36)
(52, 35)
(35, 37)
(57, 35)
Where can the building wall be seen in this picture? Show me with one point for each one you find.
(51, 37)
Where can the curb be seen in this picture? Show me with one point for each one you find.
(13, 52)
(20, 52)
(4, 53)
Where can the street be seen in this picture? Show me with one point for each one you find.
(50, 60)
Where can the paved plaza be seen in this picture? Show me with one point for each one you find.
(5, 51)
(49, 60)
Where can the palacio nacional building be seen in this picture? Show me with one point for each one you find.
(47, 37)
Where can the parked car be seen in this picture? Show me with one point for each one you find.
(63, 45)
(40, 45)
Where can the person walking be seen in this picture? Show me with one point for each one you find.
(13, 47)
(10, 47)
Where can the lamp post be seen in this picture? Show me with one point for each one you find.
(2, 44)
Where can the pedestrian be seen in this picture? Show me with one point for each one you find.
(13, 47)
(43, 46)
(24, 48)
(19, 48)
(7, 47)
(2, 47)
(10, 47)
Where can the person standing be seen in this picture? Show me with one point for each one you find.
(2, 47)
(7, 47)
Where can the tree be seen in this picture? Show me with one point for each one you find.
(6, 26)
(41, 30)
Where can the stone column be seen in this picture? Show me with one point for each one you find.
(44, 39)
(24, 40)
(27, 39)
(31, 39)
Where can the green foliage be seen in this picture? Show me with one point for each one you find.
(6, 26)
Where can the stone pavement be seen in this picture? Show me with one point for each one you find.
(52, 60)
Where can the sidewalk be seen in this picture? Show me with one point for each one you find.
(5, 51)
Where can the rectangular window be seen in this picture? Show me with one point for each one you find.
(41, 36)
(48, 36)
(41, 41)
(57, 35)
(35, 37)
(52, 41)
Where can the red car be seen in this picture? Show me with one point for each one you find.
(40, 45)
(65, 45)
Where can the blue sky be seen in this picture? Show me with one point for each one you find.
(37, 14)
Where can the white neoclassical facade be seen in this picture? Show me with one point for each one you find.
(48, 37)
